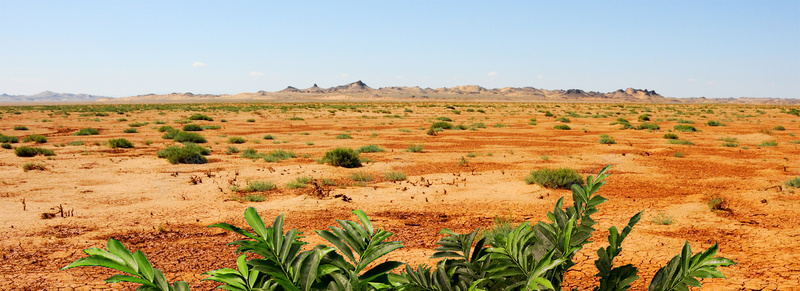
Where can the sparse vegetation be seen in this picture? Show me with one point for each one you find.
(299, 182)
(554, 178)
(415, 148)
(130, 130)
(236, 140)
(394, 176)
(648, 126)
(662, 219)
(794, 183)
(256, 186)
(680, 141)
(33, 167)
(24, 151)
(120, 143)
(370, 149)
(6, 145)
(192, 127)
(562, 127)
(361, 177)
(190, 153)
(670, 135)
(685, 128)
(231, 150)
(344, 136)
(35, 138)
(768, 143)
(342, 157)
(198, 116)
(20, 127)
(87, 131)
(606, 139)
(441, 125)
(8, 139)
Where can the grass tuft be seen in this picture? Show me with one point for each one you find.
(554, 178)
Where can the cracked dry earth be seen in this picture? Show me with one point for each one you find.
(149, 204)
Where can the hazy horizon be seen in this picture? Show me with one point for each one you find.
(714, 49)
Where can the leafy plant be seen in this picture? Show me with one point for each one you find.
(680, 141)
(685, 128)
(714, 123)
(20, 127)
(649, 126)
(236, 140)
(8, 139)
(342, 157)
(130, 130)
(120, 143)
(6, 145)
(442, 125)
(184, 137)
(256, 186)
(562, 127)
(279, 155)
(198, 116)
(606, 139)
(370, 149)
(192, 127)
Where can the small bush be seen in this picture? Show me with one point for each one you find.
(20, 127)
(555, 178)
(8, 139)
(299, 182)
(662, 219)
(769, 143)
(670, 136)
(344, 136)
(684, 121)
(296, 118)
(624, 122)
(680, 141)
(677, 154)
(650, 126)
(251, 120)
(33, 166)
(198, 116)
(499, 125)
(192, 127)
(685, 128)
(714, 123)
(563, 119)
(6, 145)
(211, 126)
(730, 144)
(252, 154)
(236, 139)
(415, 148)
(562, 127)
(138, 124)
(716, 203)
(443, 118)
(24, 151)
(36, 138)
(442, 125)
(370, 149)
(269, 137)
(232, 150)
(130, 130)
(606, 139)
(183, 136)
(361, 177)
(342, 157)
(258, 186)
(794, 183)
(395, 176)
(119, 143)
(779, 128)
(189, 154)
(279, 155)
(87, 131)
(166, 128)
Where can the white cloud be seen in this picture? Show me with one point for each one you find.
(343, 75)
(198, 64)
(256, 74)
(492, 74)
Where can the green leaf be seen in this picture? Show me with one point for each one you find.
(118, 249)
(144, 265)
(126, 278)
(364, 220)
(255, 221)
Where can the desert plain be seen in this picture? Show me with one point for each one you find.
(462, 179)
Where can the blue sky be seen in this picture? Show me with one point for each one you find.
(124, 48)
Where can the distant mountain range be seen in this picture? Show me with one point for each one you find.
(48, 96)
(358, 91)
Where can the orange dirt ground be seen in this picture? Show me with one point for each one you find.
(150, 204)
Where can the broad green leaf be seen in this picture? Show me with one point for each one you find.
(364, 220)
(255, 221)
(144, 265)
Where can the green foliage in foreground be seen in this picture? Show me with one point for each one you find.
(188, 154)
(527, 257)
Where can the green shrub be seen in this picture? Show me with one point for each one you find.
(624, 122)
(714, 123)
(36, 138)
(344, 136)
(499, 125)
(20, 127)
(279, 155)
(606, 139)
(539, 254)
(342, 157)
(730, 144)
(119, 143)
(361, 177)
(684, 121)
(211, 126)
(33, 166)
(670, 135)
(269, 137)
(548, 114)
(562, 127)
(650, 126)
(478, 125)
(198, 116)
(644, 117)
(554, 178)
(257, 186)
(192, 127)
(677, 154)
(370, 149)
(415, 148)
(394, 176)
(662, 219)
(252, 154)
(236, 139)
(296, 118)
(24, 151)
(563, 119)
(130, 130)
(794, 183)
(8, 139)
(685, 128)
(87, 131)
(501, 227)
(769, 143)
(166, 128)
(190, 153)
(443, 118)
(299, 182)
(680, 141)
(6, 145)
(442, 125)
(138, 124)
(232, 150)
(779, 128)
(183, 136)
(251, 120)
(716, 203)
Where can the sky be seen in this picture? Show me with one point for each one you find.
(710, 49)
